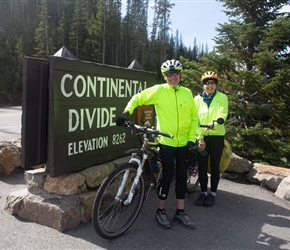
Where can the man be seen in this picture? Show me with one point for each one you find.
(176, 115)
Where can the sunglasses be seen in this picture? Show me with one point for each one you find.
(209, 82)
(169, 74)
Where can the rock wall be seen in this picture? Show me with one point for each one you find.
(273, 178)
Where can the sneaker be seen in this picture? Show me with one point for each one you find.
(161, 218)
(184, 219)
(201, 199)
(209, 201)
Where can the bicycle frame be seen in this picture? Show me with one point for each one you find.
(135, 157)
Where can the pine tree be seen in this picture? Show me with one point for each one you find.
(9, 76)
(78, 28)
(256, 39)
(44, 46)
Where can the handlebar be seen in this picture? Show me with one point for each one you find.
(146, 130)
(218, 121)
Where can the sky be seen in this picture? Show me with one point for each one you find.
(195, 19)
(199, 19)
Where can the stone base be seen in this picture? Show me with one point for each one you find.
(58, 212)
(62, 202)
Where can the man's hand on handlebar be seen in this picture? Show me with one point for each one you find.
(190, 145)
(120, 121)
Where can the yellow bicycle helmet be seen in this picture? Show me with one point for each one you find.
(209, 75)
(171, 66)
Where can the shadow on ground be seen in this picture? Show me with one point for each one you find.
(237, 221)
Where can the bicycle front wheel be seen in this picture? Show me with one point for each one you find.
(110, 216)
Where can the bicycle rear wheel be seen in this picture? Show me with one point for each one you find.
(192, 178)
(110, 216)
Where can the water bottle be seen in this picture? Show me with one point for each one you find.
(155, 165)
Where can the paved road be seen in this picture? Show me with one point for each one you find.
(10, 123)
(244, 217)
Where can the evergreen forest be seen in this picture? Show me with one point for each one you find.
(251, 56)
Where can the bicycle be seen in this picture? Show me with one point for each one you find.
(121, 195)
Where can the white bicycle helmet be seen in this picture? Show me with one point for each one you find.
(171, 66)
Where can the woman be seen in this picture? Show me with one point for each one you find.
(211, 105)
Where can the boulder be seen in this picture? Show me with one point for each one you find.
(239, 165)
(267, 176)
(283, 190)
(68, 184)
(9, 157)
(61, 213)
(35, 180)
(96, 174)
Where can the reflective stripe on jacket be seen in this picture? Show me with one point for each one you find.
(175, 109)
(217, 109)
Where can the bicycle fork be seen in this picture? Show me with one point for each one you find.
(135, 182)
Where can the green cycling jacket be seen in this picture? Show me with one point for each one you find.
(217, 109)
(175, 109)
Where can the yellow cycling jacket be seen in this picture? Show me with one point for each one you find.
(217, 109)
(175, 109)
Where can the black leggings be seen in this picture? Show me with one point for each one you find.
(214, 148)
(170, 156)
